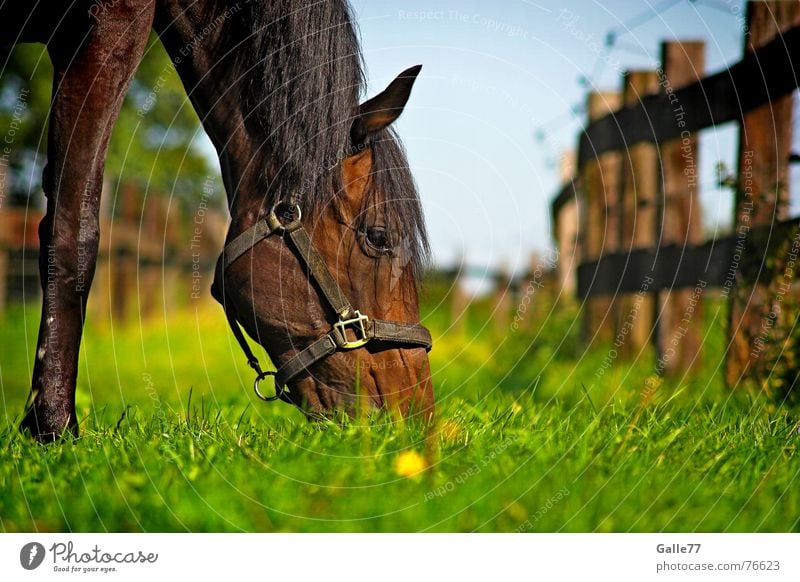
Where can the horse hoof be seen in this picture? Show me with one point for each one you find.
(48, 427)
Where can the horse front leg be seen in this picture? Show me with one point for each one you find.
(91, 77)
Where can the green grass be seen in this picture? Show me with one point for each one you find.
(529, 437)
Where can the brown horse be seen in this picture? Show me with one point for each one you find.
(276, 84)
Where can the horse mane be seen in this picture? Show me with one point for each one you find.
(303, 78)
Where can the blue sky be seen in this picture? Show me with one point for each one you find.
(495, 73)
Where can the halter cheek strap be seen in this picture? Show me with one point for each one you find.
(352, 330)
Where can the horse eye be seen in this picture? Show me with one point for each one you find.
(378, 238)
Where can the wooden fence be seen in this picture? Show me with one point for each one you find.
(640, 261)
(150, 259)
(512, 298)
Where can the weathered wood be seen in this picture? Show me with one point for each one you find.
(568, 192)
(458, 299)
(535, 295)
(566, 230)
(19, 246)
(762, 197)
(567, 235)
(680, 310)
(177, 284)
(759, 77)
(123, 251)
(600, 178)
(637, 220)
(149, 278)
(715, 263)
(501, 300)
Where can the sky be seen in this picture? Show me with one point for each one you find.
(501, 96)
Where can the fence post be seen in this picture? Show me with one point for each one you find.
(638, 219)
(680, 323)
(176, 289)
(150, 264)
(458, 301)
(568, 249)
(762, 198)
(503, 296)
(567, 233)
(533, 292)
(123, 251)
(600, 179)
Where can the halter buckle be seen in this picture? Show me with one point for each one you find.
(359, 326)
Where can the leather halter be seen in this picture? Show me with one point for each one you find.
(362, 328)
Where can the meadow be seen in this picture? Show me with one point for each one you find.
(533, 433)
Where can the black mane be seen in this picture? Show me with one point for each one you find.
(303, 80)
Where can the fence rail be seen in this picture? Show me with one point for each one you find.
(145, 257)
(715, 263)
(759, 78)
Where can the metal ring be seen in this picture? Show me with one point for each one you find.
(296, 209)
(278, 389)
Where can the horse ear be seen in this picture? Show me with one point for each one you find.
(380, 111)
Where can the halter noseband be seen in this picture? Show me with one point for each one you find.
(363, 328)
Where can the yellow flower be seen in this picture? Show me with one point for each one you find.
(409, 463)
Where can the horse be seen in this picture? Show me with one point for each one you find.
(327, 237)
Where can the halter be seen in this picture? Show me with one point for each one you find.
(363, 329)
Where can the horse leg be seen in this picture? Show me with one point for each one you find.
(91, 78)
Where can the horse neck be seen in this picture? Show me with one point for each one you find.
(190, 31)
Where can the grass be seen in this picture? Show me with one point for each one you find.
(529, 437)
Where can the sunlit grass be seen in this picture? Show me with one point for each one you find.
(528, 437)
